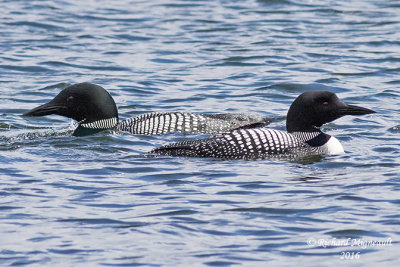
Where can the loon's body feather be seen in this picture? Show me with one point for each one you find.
(255, 143)
(95, 110)
(238, 144)
(188, 123)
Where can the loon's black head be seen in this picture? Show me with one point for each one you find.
(89, 104)
(311, 110)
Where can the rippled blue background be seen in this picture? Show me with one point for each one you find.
(98, 201)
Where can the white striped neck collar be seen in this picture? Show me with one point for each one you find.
(99, 124)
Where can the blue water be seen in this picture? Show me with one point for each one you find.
(96, 200)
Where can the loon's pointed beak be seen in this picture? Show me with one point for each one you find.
(45, 109)
(354, 110)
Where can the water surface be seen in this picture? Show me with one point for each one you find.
(98, 200)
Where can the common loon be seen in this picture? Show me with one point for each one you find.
(306, 115)
(94, 109)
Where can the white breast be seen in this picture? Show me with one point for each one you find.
(333, 147)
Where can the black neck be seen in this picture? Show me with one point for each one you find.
(81, 131)
(319, 140)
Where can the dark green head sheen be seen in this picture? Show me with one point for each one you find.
(313, 109)
(84, 102)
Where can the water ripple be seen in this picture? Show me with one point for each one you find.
(98, 200)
